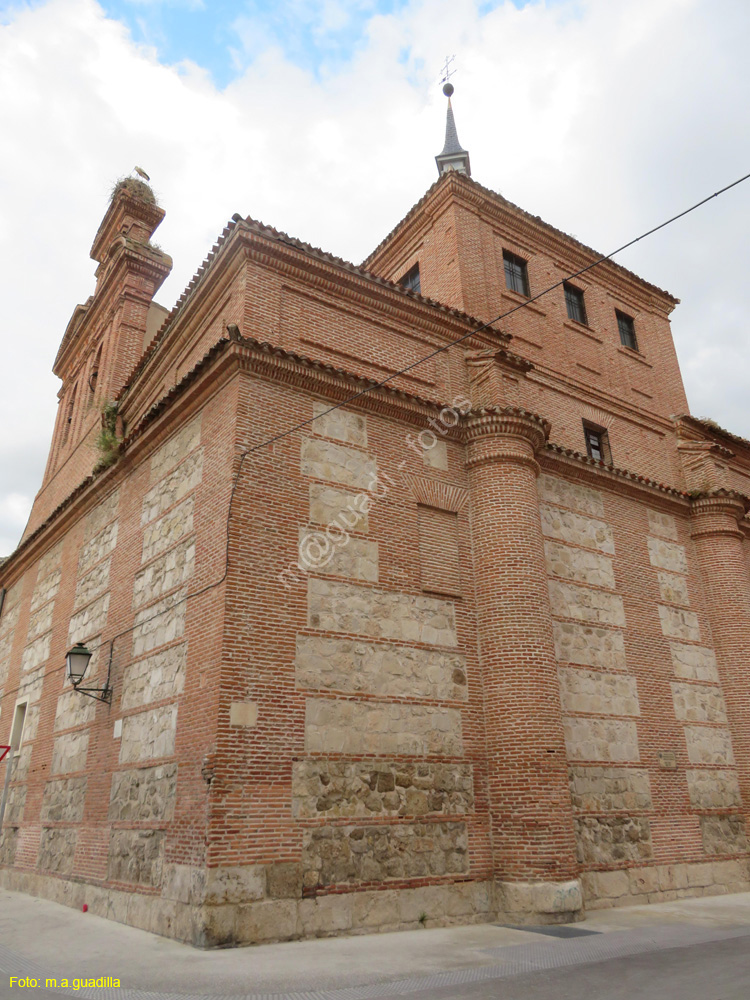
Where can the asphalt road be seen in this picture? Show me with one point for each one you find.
(719, 970)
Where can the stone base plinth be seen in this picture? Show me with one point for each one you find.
(540, 902)
(262, 921)
(663, 883)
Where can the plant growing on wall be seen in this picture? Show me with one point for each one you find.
(107, 442)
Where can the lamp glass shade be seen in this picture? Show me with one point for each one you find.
(77, 661)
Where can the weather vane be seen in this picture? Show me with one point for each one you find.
(445, 74)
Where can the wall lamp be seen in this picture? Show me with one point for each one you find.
(76, 665)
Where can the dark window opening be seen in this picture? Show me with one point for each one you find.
(597, 443)
(574, 304)
(626, 326)
(516, 274)
(411, 279)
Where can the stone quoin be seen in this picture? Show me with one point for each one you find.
(475, 645)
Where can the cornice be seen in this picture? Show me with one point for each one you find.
(591, 470)
(384, 298)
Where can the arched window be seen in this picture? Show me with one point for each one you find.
(94, 376)
(69, 414)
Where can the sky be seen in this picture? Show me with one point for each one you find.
(322, 118)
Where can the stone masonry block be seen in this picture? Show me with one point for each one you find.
(40, 621)
(667, 555)
(662, 524)
(46, 589)
(571, 601)
(57, 850)
(136, 856)
(344, 607)
(336, 855)
(673, 588)
(714, 789)
(609, 789)
(170, 570)
(358, 666)
(162, 534)
(333, 726)
(173, 488)
(612, 840)
(323, 788)
(601, 739)
(148, 734)
(143, 795)
(69, 752)
(73, 709)
(339, 424)
(64, 800)
(92, 585)
(724, 834)
(679, 624)
(101, 515)
(579, 565)
(560, 492)
(598, 693)
(334, 553)
(159, 676)
(331, 506)
(176, 449)
(698, 703)
(90, 621)
(337, 463)
(709, 745)
(576, 529)
(160, 624)
(35, 653)
(694, 663)
(97, 548)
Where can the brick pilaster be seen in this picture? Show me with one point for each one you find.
(719, 547)
(531, 816)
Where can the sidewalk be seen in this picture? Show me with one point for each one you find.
(45, 939)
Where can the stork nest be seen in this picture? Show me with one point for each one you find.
(135, 188)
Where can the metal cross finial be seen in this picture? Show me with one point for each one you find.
(446, 71)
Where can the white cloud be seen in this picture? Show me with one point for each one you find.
(602, 118)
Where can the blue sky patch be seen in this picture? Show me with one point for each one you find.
(224, 36)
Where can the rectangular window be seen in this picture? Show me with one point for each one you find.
(516, 274)
(597, 443)
(574, 303)
(16, 733)
(411, 279)
(626, 326)
(438, 550)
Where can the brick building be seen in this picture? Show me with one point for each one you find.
(473, 645)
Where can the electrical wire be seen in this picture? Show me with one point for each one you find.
(379, 385)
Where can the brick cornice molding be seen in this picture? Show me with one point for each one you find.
(718, 512)
(504, 434)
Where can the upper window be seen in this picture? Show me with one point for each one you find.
(516, 275)
(574, 303)
(411, 279)
(626, 326)
(597, 443)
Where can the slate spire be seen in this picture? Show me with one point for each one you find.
(453, 156)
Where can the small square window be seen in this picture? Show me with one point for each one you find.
(411, 279)
(516, 275)
(597, 443)
(626, 326)
(574, 303)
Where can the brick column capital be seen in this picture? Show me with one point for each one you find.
(504, 434)
(717, 513)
